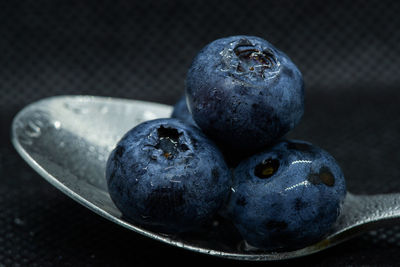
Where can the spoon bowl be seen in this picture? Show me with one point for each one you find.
(67, 140)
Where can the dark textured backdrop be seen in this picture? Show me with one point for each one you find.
(349, 54)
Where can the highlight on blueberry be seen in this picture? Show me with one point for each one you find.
(166, 175)
(244, 93)
(287, 197)
(181, 112)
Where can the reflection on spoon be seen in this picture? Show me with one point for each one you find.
(67, 140)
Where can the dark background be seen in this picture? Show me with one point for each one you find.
(349, 54)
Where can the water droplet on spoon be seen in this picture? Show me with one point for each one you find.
(57, 125)
(32, 130)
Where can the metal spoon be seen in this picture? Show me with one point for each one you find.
(67, 140)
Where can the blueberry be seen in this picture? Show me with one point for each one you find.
(168, 176)
(244, 93)
(287, 197)
(181, 112)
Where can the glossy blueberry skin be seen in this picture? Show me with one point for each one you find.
(244, 100)
(293, 207)
(166, 175)
(181, 112)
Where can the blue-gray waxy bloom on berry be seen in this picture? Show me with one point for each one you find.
(166, 175)
(287, 197)
(244, 93)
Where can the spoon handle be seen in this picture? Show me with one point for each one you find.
(364, 212)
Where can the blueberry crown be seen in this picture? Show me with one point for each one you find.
(243, 58)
